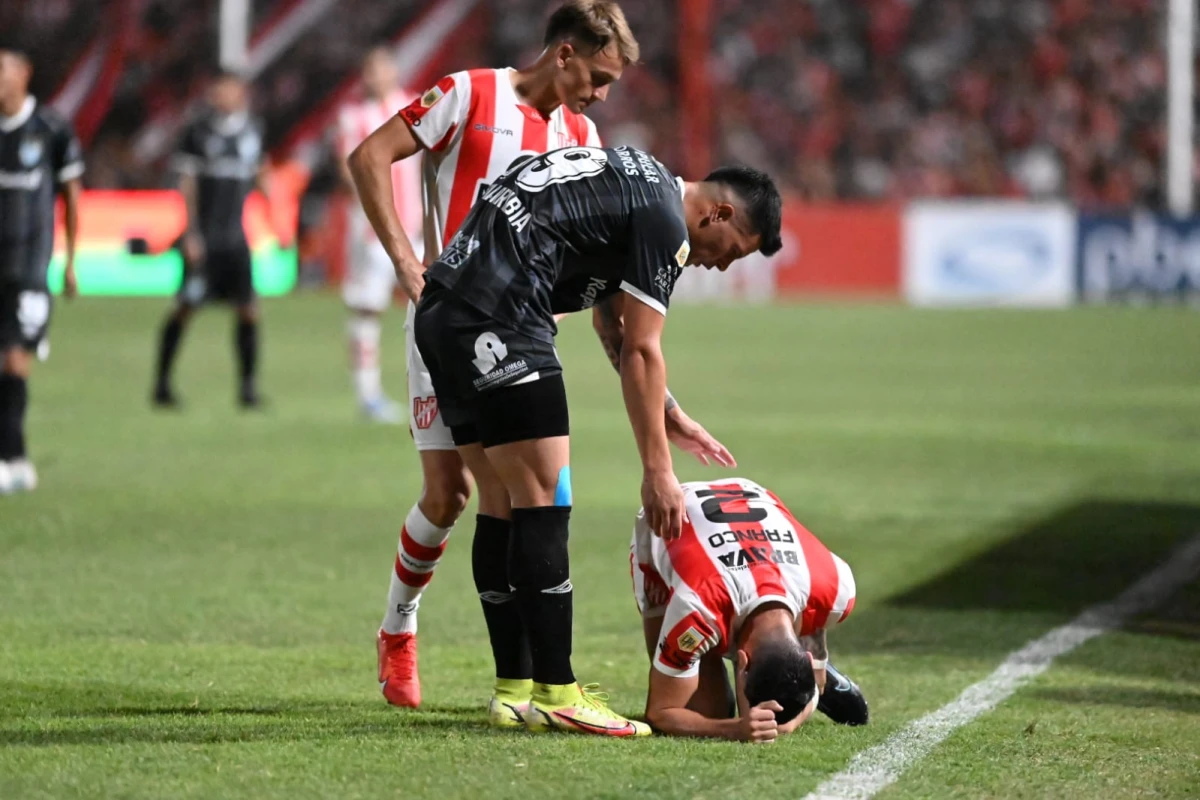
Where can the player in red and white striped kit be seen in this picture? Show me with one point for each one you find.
(746, 581)
(370, 279)
(471, 126)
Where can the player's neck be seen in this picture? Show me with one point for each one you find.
(534, 85)
(768, 622)
(15, 105)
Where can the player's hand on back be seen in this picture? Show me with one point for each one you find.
(759, 726)
(662, 500)
(691, 437)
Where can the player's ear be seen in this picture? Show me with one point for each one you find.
(722, 212)
(564, 53)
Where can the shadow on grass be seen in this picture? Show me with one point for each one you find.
(39, 715)
(1042, 576)
(1140, 699)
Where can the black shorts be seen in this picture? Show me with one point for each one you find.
(226, 276)
(24, 316)
(493, 385)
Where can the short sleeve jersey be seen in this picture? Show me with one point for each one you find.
(38, 154)
(560, 232)
(473, 126)
(740, 549)
(224, 154)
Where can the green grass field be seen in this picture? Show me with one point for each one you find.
(188, 604)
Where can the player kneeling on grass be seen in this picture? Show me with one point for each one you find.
(746, 581)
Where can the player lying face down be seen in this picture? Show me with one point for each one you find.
(559, 233)
(744, 581)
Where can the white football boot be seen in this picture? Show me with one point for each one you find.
(6, 482)
(23, 475)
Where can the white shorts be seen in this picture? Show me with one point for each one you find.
(429, 432)
(370, 276)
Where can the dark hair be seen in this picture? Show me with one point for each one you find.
(781, 670)
(760, 199)
(14, 46)
(595, 24)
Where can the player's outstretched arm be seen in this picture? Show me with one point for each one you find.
(682, 431)
(371, 168)
(644, 385)
(667, 710)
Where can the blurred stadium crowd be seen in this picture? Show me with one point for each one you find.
(849, 99)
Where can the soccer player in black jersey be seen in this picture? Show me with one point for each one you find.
(220, 160)
(559, 233)
(40, 158)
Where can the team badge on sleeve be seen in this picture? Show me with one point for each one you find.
(681, 255)
(690, 640)
(430, 98)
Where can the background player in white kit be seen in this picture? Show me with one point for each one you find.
(745, 581)
(370, 280)
(471, 127)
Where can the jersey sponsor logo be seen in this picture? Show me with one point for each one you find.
(636, 163)
(666, 277)
(749, 556)
(30, 151)
(425, 411)
(507, 201)
(33, 312)
(479, 126)
(21, 181)
(722, 538)
(459, 250)
(681, 255)
(594, 287)
(562, 166)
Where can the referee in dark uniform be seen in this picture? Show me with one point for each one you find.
(40, 158)
(220, 160)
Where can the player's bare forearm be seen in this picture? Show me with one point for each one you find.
(187, 188)
(684, 722)
(370, 166)
(644, 386)
(71, 193)
(609, 324)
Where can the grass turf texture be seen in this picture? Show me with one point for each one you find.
(188, 605)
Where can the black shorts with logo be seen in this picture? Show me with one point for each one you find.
(227, 276)
(24, 316)
(487, 376)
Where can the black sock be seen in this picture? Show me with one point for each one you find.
(489, 563)
(14, 397)
(540, 572)
(168, 346)
(247, 349)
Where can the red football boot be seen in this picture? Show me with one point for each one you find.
(398, 679)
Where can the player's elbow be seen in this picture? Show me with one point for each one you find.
(361, 160)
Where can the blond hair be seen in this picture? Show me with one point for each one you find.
(595, 24)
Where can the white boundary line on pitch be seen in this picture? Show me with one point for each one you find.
(878, 767)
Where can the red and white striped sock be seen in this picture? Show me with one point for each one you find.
(421, 546)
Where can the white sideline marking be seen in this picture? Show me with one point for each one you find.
(877, 767)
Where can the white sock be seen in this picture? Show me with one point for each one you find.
(421, 546)
(364, 357)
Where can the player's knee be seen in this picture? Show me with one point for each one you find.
(248, 313)
(445, 498)
(17, 362)
(494, 500)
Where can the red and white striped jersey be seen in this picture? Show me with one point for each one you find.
(356, 121)
(740, 548)
(474, 126)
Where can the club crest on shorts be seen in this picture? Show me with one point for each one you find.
(425, 411)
